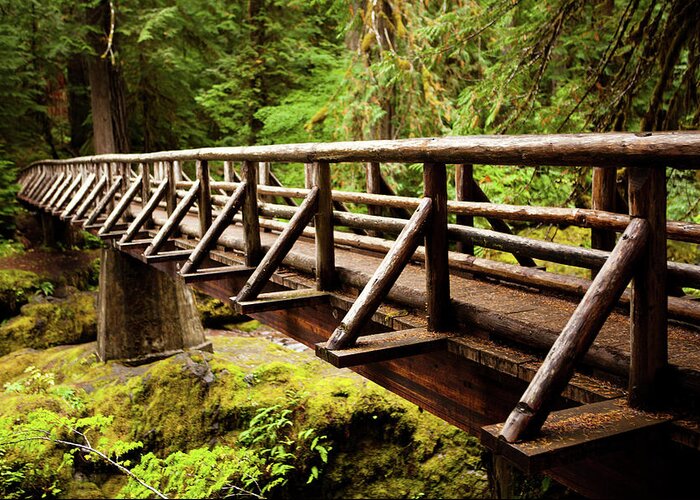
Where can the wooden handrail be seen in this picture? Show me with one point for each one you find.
(613, 150)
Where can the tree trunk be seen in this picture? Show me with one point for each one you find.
(143, 313)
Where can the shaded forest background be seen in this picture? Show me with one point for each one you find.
(192, 73)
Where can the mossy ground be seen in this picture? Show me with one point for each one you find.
(381, 445)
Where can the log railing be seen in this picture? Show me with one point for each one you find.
(101, 191)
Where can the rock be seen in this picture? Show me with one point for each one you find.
(50, 322)
(16, 288)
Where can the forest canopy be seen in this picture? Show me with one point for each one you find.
(170, 74)
(213, 72)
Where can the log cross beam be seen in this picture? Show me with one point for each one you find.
(174, 220)
(273, 258)
(104, 202)
(44, 197)
(384, 277)
(145, 215)
(82, 210)
(79, 196)
(66, 194)
(57, 193)
(578, 334)
(121, 207)
(210, 238)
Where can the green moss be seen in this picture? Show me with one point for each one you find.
(49, 323)
(382, 446)
(16, 288)
(245, 326)
(214, 313)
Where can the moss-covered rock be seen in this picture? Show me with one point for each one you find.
(380, 445)
(50, 322)
(214, 313)
(16, 288)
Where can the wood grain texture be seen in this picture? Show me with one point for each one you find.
(578, 334)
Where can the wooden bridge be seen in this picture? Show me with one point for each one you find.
(612, 409)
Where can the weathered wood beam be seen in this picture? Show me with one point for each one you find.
(217, 273)
(273, 258)
(648, 314)
(251, 224)
(578, 334)
(210, 238)
(79, 196)
(204, 200)
(82, 210)
(384, 277)
(615, 150)
(325, 250)
(572, 434)
(464, 191)
(274, 301)
(437, 271)
(121, 207)
(51, 204)
(144, 216)
(104, 202)
(384, 346)
(173, 221)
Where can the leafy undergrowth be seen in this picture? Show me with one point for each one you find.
(253, 419)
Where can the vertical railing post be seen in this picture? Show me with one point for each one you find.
(325, 251)
(602, 198)
(251, 224)
(436, 265)
(171, 194)
(464, 191)
(145, 171)
(177, 169)
(374, 186)
(648, 308)
(228, 171)
(308, 175)
(204, 203)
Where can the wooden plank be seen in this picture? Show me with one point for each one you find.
(384, 346)
(166, 256)
(274, 301)
(572, 434)
(218, 273)
(648, 307)
(134, 243)
(578, 334)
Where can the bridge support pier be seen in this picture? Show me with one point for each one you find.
(144, 314)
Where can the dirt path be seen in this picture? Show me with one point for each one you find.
(50, 264)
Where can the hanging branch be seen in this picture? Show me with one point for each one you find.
(110, 37)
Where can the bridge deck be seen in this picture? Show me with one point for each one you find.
(528, 317)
